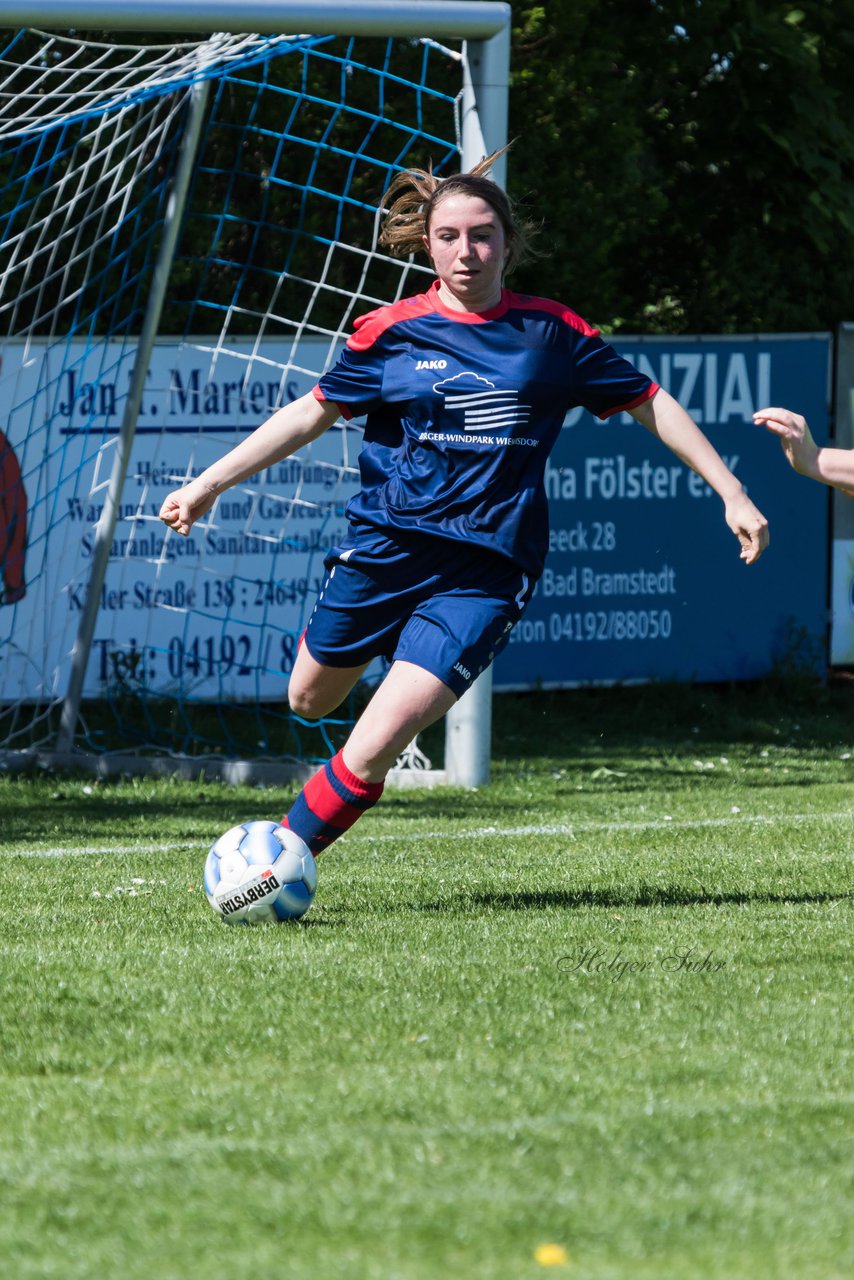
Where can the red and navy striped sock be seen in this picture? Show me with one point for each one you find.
(330, 803)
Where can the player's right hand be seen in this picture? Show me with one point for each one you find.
(184, 507)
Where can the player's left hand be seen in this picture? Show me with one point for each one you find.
(749, 526)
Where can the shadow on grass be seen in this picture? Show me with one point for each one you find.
(642, 896)
(618, 719)
(314, 922)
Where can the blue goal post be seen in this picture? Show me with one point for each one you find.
(110, 146)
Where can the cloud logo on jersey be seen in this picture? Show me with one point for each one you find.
(481, 404)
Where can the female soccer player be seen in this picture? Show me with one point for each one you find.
(465, 388)
(834, 467)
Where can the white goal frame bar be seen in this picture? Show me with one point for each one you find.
(484, 25)
(465, 19)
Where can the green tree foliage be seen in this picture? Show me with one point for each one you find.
(692, 160)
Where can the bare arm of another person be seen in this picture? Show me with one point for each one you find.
(834, 467)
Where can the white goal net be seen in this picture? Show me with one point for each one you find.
(188, 232)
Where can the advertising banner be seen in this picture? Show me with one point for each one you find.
(214, 615)
(643, 580)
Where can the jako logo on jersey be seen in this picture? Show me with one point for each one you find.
(431, 364)
(483, 406)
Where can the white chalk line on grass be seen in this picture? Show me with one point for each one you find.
(92, 851)
(476, 833)
(653, 824)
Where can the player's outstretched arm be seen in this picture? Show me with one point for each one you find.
(294, 425)
(666, 419)
(829, 466)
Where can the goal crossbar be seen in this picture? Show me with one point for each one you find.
(465, 19)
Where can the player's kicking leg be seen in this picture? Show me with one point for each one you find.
(408, 700)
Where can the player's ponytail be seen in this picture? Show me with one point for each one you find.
(412, 197)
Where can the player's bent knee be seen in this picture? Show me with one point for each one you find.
(309, 704)
(314, 699)
(316, 690)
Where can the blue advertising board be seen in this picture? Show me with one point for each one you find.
(643, 579)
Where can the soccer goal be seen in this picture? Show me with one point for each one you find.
(188, 231)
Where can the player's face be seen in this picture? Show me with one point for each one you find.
(467, 244)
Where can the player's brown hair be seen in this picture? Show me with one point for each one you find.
(413, 196)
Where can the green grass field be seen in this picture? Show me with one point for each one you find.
(603, 1003)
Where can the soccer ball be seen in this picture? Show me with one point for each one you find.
(260, 871)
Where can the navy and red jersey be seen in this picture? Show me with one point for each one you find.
(462, 410)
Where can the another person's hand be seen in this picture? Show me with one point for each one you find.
(749, 526)
(184, 507)
(794, 435)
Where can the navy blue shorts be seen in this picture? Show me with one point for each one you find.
(439, 604)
